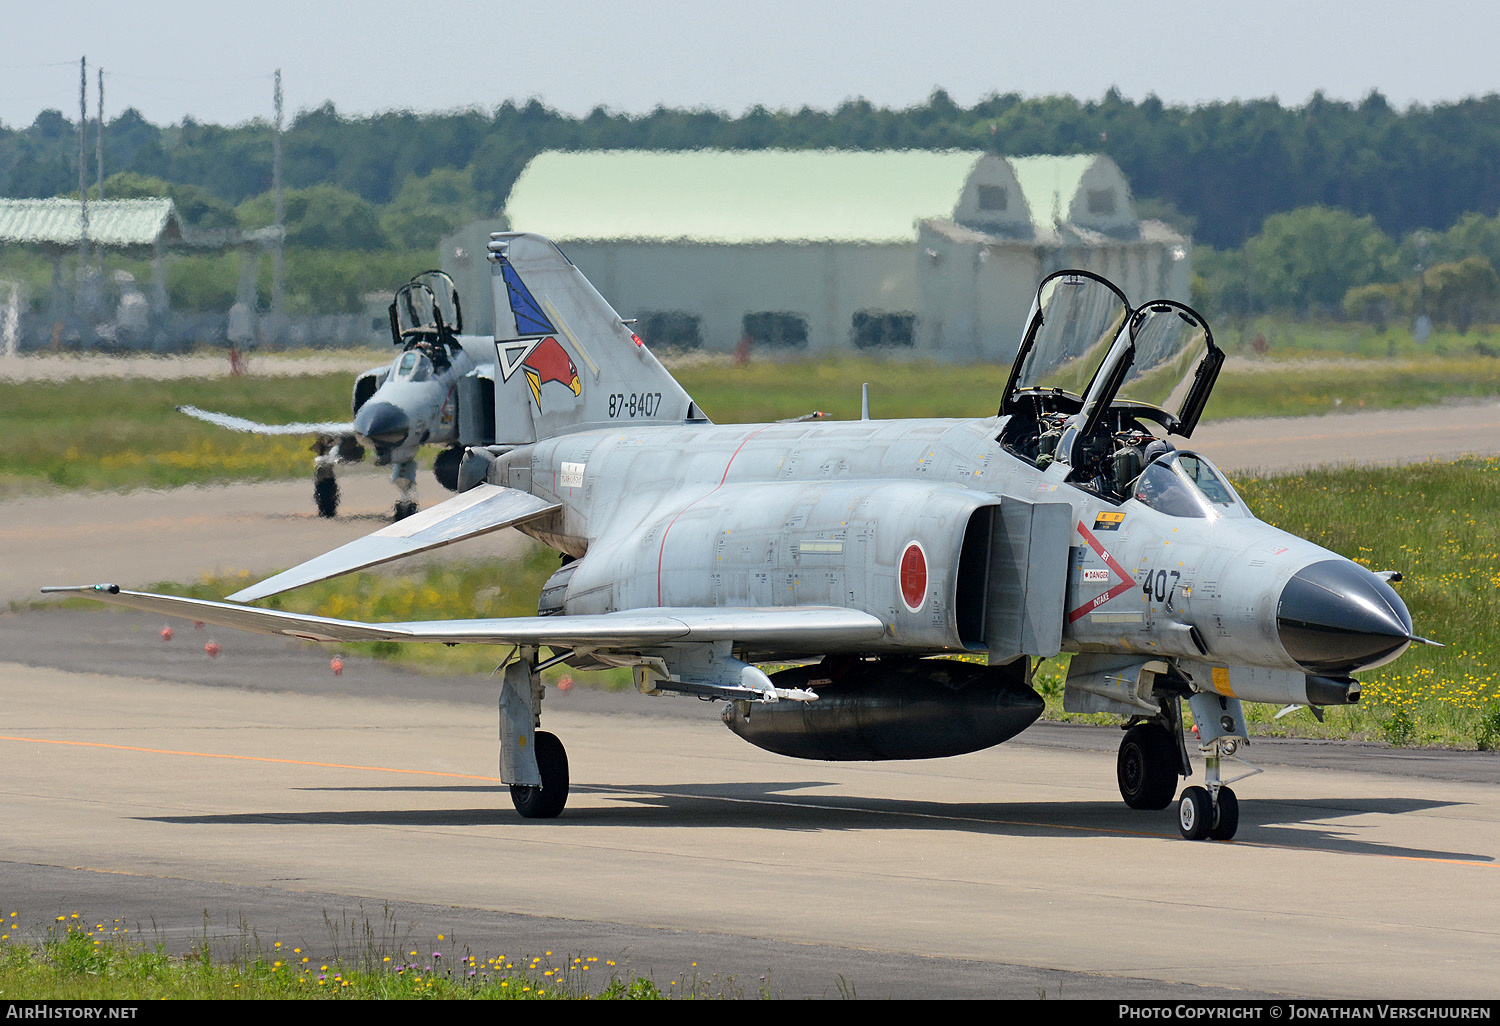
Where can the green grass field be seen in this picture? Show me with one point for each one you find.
(110, 433)
(81, 959)
(1280, 338)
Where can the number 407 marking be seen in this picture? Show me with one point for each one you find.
(1161, 585)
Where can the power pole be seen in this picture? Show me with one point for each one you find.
(83, 189)
(280, 207)
(99, 137)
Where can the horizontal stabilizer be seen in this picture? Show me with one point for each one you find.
(224, 420)
(811, 628)
(480, 510)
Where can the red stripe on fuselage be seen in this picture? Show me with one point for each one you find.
(1126, 581)
(661, 554)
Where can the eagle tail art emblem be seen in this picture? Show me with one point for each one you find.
(542, 361)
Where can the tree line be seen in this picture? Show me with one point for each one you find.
(1426, 176)
(1324, 261)
(1226, 166)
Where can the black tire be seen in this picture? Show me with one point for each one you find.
(1147, 767)
(547, 801)
(326, 495)
(1226, 816)
(1195, 813)
(445, 467)
(405, 509)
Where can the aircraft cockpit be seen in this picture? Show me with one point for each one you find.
(412, 365)
(426, 317)
(1096, 381)
(1184, 484)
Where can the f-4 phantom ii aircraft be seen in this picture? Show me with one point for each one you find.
(868, 554)
(438, 391)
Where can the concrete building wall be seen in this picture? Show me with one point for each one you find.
(975, 296)
(826, 284)
(992, 198)
(977, 289)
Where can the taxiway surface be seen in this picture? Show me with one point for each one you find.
(1013, 872)
(256, 798)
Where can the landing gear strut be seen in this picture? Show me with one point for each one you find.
(533, 762)
(404, 477)
(1213, 811)
(326, 492)
(328, 452)
(1152, 757)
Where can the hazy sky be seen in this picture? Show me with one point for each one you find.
(213, 61)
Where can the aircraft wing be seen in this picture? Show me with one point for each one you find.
(811, 628)
(479, 510)
(224, 420)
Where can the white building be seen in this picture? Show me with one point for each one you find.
(822, 251)
(1019, 219)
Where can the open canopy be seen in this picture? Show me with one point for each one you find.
(1085, 348)
(1093, 372)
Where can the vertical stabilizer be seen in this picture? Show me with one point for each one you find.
(565, 360)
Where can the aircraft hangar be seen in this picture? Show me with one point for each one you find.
(937, 253)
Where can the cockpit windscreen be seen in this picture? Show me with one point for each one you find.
(1183, 484)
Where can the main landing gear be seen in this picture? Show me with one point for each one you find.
(547, 800)
(326, 492)
(1148, 766)
(1152, 756)
(328, 452)
(533, 762)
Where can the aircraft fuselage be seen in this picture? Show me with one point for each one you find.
(830, 513)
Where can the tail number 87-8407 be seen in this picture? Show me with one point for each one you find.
(637, 404)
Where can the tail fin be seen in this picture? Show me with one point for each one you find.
(566, 361)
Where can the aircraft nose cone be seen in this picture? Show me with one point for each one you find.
(1335, 617)
(382, 423)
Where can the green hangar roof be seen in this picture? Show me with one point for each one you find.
(737, 197)
(58, 223)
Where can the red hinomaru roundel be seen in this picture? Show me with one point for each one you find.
(913, 576)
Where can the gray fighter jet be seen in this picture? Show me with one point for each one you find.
(909, 574)
(438, 391)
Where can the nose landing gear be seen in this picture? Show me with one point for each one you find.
(1152, 757)
(1200, 817)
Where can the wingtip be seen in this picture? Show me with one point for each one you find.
(112, 589)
